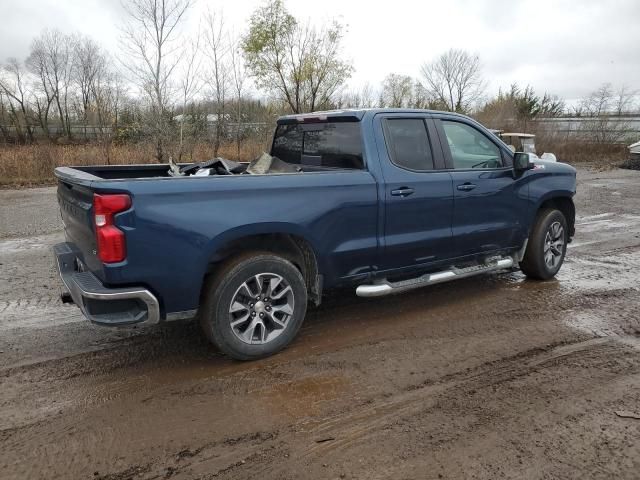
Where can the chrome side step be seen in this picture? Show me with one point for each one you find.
(385, 287)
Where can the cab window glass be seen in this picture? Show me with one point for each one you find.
(408, 143)
(470, 148)
(331, 144)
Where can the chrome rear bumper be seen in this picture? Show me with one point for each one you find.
(100, 304)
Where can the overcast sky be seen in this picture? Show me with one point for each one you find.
(567, 48)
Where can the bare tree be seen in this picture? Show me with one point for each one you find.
(4, 121)
(298, 64)
(89, 73)
(219, 72)
(51, 61)
(152, 55)
(403, 91)
(363, 97)
(190, 85)
(3, 118)
(599, 106)
(107, 94)
(397, 91)
(14, 86)
(454, 79)
(600, 101)
(625, 98)
(239, 78)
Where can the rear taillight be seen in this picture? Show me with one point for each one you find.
(111, 242)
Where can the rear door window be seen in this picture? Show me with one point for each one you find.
(408, 143)
(331, 144)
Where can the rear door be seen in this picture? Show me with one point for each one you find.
(418, 197)
(490, 202)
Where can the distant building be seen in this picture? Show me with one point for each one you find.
(634, 151)
(212, 118)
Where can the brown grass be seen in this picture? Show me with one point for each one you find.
(577, 152)
(31, 165)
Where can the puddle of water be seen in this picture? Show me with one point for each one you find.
(605, 224)
(588, 218)
(609, 272)
(583, 244)
(15, 246)
(19, 316)
(602, 325)
(590, 323)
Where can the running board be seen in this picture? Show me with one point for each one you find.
(385, 287)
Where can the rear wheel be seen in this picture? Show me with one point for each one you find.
(254, 306)
(547, 245)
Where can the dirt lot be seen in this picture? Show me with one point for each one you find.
(491, 377)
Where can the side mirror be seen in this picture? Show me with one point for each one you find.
(521, 162)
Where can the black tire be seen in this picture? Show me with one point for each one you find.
(533, 264)
(221, 289)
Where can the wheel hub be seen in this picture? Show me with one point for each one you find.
(554, 245)
(261, 308)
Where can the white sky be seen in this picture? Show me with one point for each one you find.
(564, 47)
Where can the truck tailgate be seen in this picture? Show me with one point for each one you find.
(76, 207)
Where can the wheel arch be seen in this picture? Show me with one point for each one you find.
(282, 241)
(565, 204)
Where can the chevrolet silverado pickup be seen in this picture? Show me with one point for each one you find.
(380, 200)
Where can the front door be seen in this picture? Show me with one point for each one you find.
(489, 200)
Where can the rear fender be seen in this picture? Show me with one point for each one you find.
(217, 250)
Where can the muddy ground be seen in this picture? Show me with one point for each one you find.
(491, 377)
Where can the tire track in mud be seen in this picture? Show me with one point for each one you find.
(313, 441)
(36, 313)
(352, 426)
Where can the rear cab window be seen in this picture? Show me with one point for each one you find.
(336, 145)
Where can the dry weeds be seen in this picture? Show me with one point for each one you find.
(31, 165)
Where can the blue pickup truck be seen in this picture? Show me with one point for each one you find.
(378, 199)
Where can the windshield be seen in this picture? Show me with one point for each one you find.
(528, 145)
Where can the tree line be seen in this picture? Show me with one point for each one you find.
(176, 88)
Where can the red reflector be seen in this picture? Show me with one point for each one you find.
(111, 244)
(110, 239)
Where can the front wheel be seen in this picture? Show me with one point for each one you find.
(254, 306)
(547, 245)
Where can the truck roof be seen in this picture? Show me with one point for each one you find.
(523, 135)
(351, 114)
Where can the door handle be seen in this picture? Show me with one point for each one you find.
(466, 187)
(402, 192)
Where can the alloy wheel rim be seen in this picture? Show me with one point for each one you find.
(554, 245)
(261, 308)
